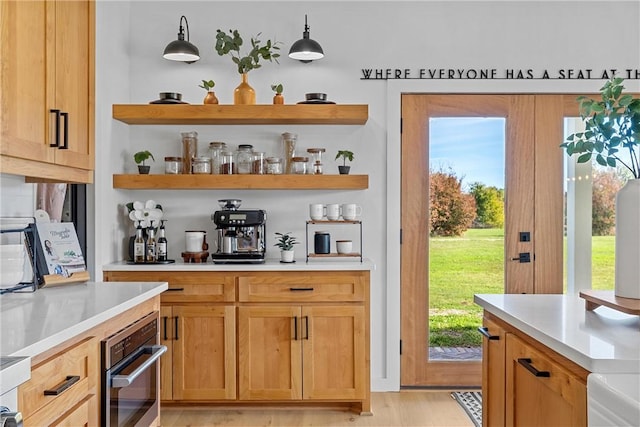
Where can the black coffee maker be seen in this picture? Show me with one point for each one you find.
(240, 234)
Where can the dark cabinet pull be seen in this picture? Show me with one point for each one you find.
(57, 113)
(295, 328)
(526, 362)
(65, 137)
(300, 289)
(174, 289)
(68, 382)
(164, 321)
(485, 331)
(176, 331)
(306, 327)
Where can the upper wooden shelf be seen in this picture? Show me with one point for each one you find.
(302, 114)
(241, 182)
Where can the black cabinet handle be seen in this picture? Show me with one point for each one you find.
(57, 113)
(300, 289)
(164, 321)
(306, 327)
(485, 331)
(174, 289)
(527, 364)
(295, 328)
(65, 135)
(68, 382)
(176, 332)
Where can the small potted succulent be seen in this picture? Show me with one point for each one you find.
(285, 242)
(346, 155)
(277, 98)
(210, 98)
(141, 157)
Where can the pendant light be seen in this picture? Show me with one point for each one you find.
(181, 49)
(306, 49)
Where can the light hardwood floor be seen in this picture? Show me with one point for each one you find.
(403, 409)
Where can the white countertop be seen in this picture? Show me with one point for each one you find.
(601, 341)
(31, 323)
(337, 264)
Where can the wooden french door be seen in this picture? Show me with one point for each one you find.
(533, 202)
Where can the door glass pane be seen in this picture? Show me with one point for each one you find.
(466, 244)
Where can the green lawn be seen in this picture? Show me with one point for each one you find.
(473, 264)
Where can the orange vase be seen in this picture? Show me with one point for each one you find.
(278, 98)
(244, 94)
(210, 98)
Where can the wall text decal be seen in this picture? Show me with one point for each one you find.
(495, 74)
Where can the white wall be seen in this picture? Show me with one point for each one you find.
(130, 69)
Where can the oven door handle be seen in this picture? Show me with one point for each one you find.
(121, 381)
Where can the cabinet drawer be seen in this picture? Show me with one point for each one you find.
(59, 383)
(297, 287)
(192, 286)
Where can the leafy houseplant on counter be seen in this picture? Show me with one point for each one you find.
(230, 44)
(346, 155)
(210, 98)
(141, 157)
(277, 98)
(285, 242)
(612, 134)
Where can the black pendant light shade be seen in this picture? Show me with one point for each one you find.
(181, 49)
(306, 49)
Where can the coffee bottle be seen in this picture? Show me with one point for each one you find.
(138, 246)
(151, 245)
(161, 247)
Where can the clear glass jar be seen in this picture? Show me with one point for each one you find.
(288, 149)
(274, 165)
(244, 157)
(259, 164)
(173, 165)
(215, 152)
(201, 165)
(299, 165)
(228, 165)
(189, 149)
(316, 163)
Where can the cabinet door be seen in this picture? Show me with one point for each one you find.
(80, 415)
(541, 392)
(204, 352)
(269, 353)
(334, 356)
(493, 370)
(166, 360)
(23, 114)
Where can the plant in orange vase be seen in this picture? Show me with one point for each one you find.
(277, 98)
(210, 98)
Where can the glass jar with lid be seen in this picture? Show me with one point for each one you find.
(200, 165)
(172, 165)
(288, 149)
(316, 163)
(244, 158)
(227, 163)
(274, 165)
(299, 165)
(215, 152)
(189, 149)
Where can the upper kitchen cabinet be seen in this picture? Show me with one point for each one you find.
(47, 97)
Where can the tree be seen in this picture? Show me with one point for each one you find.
(451, 210)
(489, 205)
(606, 184)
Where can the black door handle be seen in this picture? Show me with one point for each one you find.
(295, 328)
(306, 327)
(57, 138)
(65, 135)
(164, 321)
(485, 331)
(68, 382)
(300, 289)
(176, 332)
(526, 362)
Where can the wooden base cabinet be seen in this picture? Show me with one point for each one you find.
(298, 337)
(527, 384)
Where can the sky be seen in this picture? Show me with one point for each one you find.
(472, 147)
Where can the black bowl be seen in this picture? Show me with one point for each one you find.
(171, 95)
(315, 96)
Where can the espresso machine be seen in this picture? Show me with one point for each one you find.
(240, 234)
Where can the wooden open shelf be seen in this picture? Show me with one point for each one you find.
(246, 182)
(187, 114)
(334, 255)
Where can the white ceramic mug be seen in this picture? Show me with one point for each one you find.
(333, 212)
(317, 211)
(195, 241)
(350, 211)
(344, 246)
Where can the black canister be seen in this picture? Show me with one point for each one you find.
(322, 242)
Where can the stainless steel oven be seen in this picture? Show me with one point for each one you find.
(131, 374)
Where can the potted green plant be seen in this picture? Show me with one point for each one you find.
(277, 98)
(230, 44)
(285, 242)
(141, 157)
(346, 155)
(210, 98)
(612, 127)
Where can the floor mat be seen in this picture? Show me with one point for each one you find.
(471, 402)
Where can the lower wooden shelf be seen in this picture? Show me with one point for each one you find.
(248, 182)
